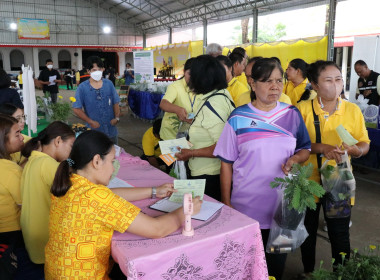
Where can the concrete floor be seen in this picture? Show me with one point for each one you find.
(365, 228)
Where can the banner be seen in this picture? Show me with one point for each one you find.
(29, 28)
(143, 64)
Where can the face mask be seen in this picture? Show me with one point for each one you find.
(97, 75)
(50, 66)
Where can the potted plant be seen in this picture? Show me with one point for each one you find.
(61, 110)
(299, 194)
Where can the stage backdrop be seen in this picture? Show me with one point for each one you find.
(29, 28)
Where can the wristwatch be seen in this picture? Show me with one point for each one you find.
(154, 192)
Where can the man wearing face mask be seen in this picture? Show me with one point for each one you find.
(97, 102)
(50, 78)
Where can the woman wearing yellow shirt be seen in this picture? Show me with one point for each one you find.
(84, 211)
(177, 103)
(324, 114)
(297, 82)
(235, 87)
(55, 142)
(18, 114)
(11, 141)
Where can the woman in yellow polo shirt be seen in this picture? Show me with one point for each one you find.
(18, 114)
(55, 142)
(297, 82)
(328, 111)
(235, 87)
(84, 211)
(178, 103)
(208, 80)
(11, 141)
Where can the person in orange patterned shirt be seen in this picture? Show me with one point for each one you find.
(84, 213)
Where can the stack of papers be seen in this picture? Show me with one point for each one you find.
(195, 187)
(207, 211)
(170, 147)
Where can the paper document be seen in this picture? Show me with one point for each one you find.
(118, 183)
(51, 80)
(195, 187)
(172, 146)
(208, 208)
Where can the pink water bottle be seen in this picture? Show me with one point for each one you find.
(188, 211)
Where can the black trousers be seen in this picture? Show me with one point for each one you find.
(338, 232)
(69, 82)
(275, 262)
(212, 185)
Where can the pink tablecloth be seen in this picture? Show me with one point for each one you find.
(227, 246)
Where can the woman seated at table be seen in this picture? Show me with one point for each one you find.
(296, 86)
(261, 141)
(331, 111)
(178, 103)
(44, 152)
(11, 141)
(84, 213)
(235, 87)
(18, 114)
(208, 80)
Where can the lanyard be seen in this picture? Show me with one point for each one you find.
(191, 102)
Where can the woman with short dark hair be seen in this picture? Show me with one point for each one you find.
(7, 94)
(208, 80)
(261, 141)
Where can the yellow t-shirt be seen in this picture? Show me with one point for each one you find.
(177, 93)
(348, 115)
(36, 181)
(206, 129)
(81, 226)
(295, 93)
(243, 79)
(10, 196)
(245, 98)
(237, 89)
(19, 77)
(17, 157)
(150, 144)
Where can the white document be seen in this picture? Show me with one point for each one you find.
(52, 79)
(172, 146)
(207, 211)
(195, 186)
(117, 150)
(118, 183)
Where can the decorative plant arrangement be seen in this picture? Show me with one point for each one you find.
(61, 109)
(358, 267)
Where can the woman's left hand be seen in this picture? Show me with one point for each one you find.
(353, 150)
(165, 190)
(288, 165)
(184, 154)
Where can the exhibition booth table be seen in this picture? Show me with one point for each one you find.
(227, 246)
(145, 104)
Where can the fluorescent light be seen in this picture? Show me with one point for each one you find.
(106, 29)
(13, 26)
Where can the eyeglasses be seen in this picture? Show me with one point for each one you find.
(98, 96)
(21, 118)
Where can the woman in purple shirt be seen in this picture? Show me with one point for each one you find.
(261, 141)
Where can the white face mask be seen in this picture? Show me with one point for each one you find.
(50, 66)
(97, 75)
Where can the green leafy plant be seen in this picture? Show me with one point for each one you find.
(298, 189)
(61, 110)
(358, 267)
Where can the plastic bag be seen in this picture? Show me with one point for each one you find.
(178, 170)
(339, 184)
(183, 130)
(362, 102)
(287, 231)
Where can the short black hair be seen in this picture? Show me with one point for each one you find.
(254, 59)
(5, 80)
(128, 64)
(188, 63)
(207, 74)
(157, 126)
(94, 60)
(276, 58)
(240, 51)
(8, 109)
(235, 56)
(263, 68)
(317, 67)
(361, 63)
(225, 60)
(48, 60)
